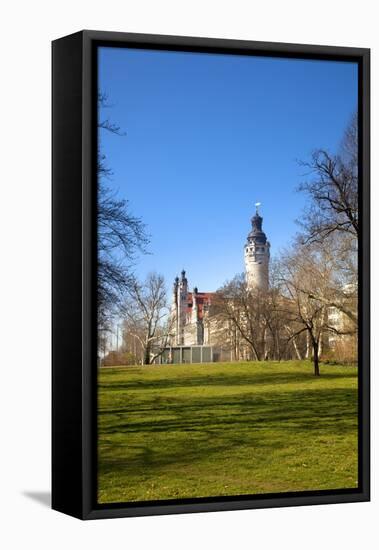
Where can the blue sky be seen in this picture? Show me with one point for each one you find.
(209, 135)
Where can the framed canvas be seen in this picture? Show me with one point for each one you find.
(210, 275)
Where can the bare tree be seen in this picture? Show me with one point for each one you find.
(120, 235)
(275, 318)
(331, 222)
(307, 283)
(147, 315)
(332, 190)
(245, 310)
(342, 291)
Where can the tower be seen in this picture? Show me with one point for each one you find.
(175, 307)
(182, 300)
(257, 254)
(195, 313)
(195, 320)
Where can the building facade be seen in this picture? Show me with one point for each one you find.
(191, 310)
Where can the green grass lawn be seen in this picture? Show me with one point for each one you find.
(183, 431)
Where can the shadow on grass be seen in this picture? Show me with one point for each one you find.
(185, 430)
(187, 381)
(309, 408)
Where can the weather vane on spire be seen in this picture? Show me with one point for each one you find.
(257, 205)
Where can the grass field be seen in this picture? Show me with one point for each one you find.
(185, 431)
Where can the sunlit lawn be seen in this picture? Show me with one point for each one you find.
(185, 431)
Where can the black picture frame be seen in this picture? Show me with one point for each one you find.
(74, 273)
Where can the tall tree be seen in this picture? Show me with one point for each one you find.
(147, 315)
(331, 219)
(244, 309)
(308, 289)
(332, 189)
(121, 235)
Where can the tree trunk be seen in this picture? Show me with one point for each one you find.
(307, 353)
(296, 348)
(320, 347)
(294, 343)
(277, 340)
(316, 359)
(255, 353)
(146, 358)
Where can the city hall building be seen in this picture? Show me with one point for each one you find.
(194, 338)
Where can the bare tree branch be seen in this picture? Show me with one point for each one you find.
(147, 315)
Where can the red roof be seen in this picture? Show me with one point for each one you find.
(202, 299)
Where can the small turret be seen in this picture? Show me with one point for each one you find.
(175, 288)
(195, 312)
(182, 300)
(176, 284)
(183, 286)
